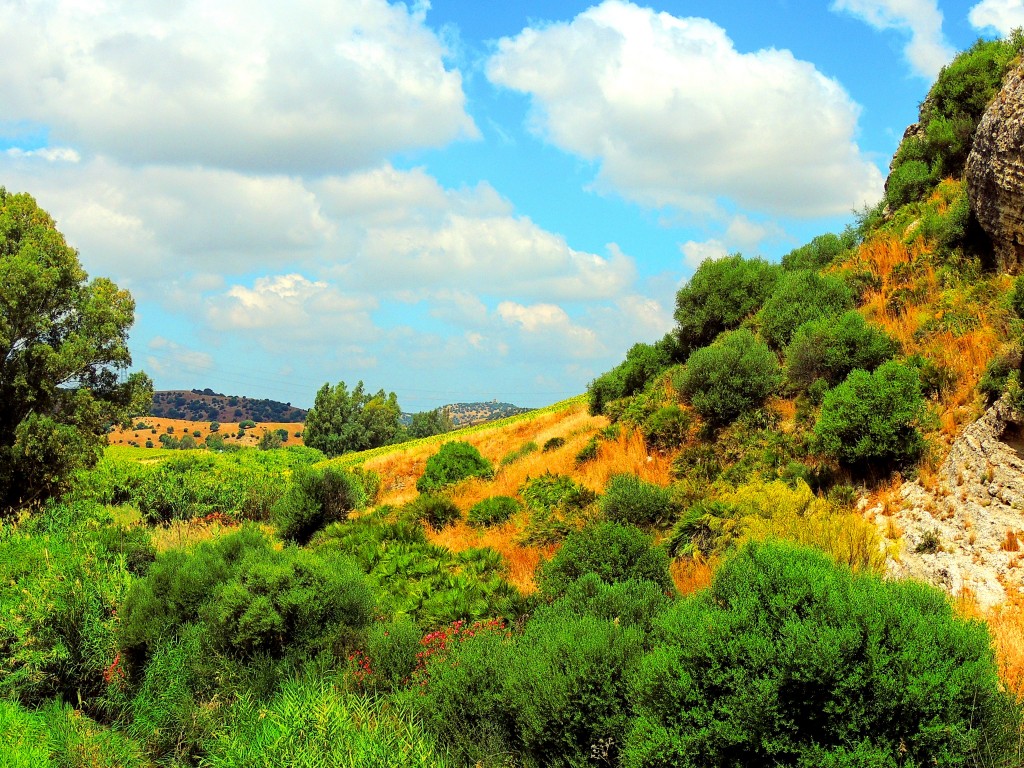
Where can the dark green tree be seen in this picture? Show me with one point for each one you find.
(871, 418)
(801, 296)
(643, 362)
(829, 349)
(719, 296)
(735, 374)
(427, 423)
(63, 358)
(341, 421)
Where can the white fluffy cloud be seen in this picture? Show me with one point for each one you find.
(1003, 16)
(323, 87)
(928, 50)
(548, 327)
(677, 117)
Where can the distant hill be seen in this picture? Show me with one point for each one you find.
(466, 414)
(207, 405)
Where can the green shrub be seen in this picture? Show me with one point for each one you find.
(247, 424)
(871, 418)
(705, 530)
(642, 364)
(567, 689)
(60, 594)
(553, 444)
(454, 462)
(801, 296)
(1017, 296)
(909, 181)
(251, 598)
(632, 501)
(310, 722)
(316, 498)
(492, 511)
(790, 659)
(667, 428)
(820, 252)
(611, 551)
(997, 372)
(170, 713)
(394, 652)
(588, 452)
(733, 375)
(830, 349)
(518, 453)
(438, 511)
(549, 492)
(624, 603)
(720, 295)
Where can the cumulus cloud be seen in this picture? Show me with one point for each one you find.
(325, 87)
(927, 50)
(697, 251)
(548, 327)
(677, 117)
(1002, 16)
(287, 308)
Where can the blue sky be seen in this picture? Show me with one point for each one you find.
(451, 200)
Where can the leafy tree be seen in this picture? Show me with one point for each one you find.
(820, 252)
(800, 296)
(454, 462)
(63, 355)
(736, 373)
(341, 421)
(830, 349)
(719, 296)
(790, 659)
(872, 417)
(427, 423)
(643, 362)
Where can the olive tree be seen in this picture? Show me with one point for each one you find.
(63, 358)
(342, 421)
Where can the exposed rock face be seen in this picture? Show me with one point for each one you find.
(975, 514)
(995, 172)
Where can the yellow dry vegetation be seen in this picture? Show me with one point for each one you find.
(627, 453)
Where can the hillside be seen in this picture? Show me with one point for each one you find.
(468, 414)
(207, 405)
(787, 533)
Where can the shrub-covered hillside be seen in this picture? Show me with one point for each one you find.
(674, 569)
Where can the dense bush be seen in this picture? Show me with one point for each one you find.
(820, 252)
(251, 598)
(830, 349)
(316, 498)
(735, 374)
(791, 660)
(642, 364)
(627, 603)
(628, 499)
(949, 116)
(998, 370)
(666, 428)
(394, 650)
(800, 296)
(611, 551)
(438, 511)
(871, 418)
(61, 586)
(719, 296)
(454, 462)
(492, 511)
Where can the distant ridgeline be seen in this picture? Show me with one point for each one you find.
(466, 414)
(207, 405)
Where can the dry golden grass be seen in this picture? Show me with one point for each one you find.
(400, 469)
(184, 427)
(690, 575)
(1006, 627)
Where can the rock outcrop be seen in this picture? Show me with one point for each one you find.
(968, 530)
(995, 172)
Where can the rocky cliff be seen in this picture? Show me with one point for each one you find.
(995, 172)
(967, 529)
